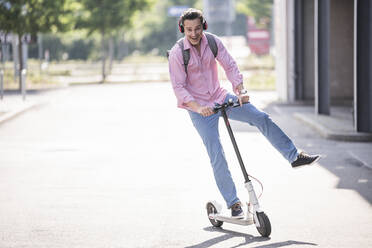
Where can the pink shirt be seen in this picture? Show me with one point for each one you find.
(201, 83)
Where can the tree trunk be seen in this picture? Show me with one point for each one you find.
(40, 51)
(20, 52)
(103, 56)
(15, 55)
(111, 53)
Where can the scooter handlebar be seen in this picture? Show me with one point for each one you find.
(229, 104)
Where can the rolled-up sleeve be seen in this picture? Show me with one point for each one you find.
(178, 76)
(229, 65)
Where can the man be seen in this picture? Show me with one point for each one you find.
(197, 89)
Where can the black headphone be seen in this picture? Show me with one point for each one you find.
(182, 29)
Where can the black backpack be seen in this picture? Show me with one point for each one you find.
(186, 53)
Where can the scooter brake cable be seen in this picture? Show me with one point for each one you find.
(261, 189)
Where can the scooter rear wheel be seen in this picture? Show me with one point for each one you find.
(211, 209)
(265, 226)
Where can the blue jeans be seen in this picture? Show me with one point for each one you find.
(207, 128)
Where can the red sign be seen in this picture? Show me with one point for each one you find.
(258, 39)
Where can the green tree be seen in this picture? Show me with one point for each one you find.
(261, 10)
(107, 17)
(159, 30)
(31, 17)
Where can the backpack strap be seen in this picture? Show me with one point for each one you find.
(212, 43)
(185, 54)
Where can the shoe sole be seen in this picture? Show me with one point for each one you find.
(316, 160)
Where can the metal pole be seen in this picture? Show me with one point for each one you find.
(299, 50)
(15, 52)
(23, 84)
(1, 84)
(362, 69)
(322, 88)
(232, 137)
(40, 50)
(2, 61)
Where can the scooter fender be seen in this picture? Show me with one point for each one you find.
(216, 205)
(254, 202)
(256, 222)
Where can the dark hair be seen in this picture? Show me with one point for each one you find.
(191, 14)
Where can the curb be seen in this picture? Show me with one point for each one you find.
(334, 135)
(116, 82)
(13, 114)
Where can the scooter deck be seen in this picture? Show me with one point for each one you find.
(244, 221)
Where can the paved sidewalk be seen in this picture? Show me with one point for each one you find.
(13, 105)
(337, 127)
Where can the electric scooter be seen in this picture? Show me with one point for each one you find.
(254, 214)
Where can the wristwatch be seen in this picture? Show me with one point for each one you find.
(243, 91)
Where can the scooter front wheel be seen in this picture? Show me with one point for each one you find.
(265, 226)
(211, 209)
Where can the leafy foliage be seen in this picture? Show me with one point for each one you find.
(107, 16)
(142, 25)
(261, 10)
(33, 16)
(158, 30)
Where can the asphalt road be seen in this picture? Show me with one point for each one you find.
(120, 166)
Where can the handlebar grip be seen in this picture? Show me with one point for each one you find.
(217, 107)
(228, 104)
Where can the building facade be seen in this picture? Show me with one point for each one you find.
(324, 55)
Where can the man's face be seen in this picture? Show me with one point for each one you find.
(193, 31)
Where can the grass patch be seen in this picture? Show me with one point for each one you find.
(140, 59)
(34, 80)
(60, 73)
(261, 80)
(254, 62)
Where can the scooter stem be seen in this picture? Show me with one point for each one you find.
(224, 115)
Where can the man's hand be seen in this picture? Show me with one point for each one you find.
(242, 94)
(205, 111)
(243, 98)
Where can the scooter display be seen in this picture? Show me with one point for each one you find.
(254, 214)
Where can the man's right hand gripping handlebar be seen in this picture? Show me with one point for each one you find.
(203, 110)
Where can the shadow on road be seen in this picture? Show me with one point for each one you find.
(227, 235)
(337, 157)
(284, 244)
(248, 240)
